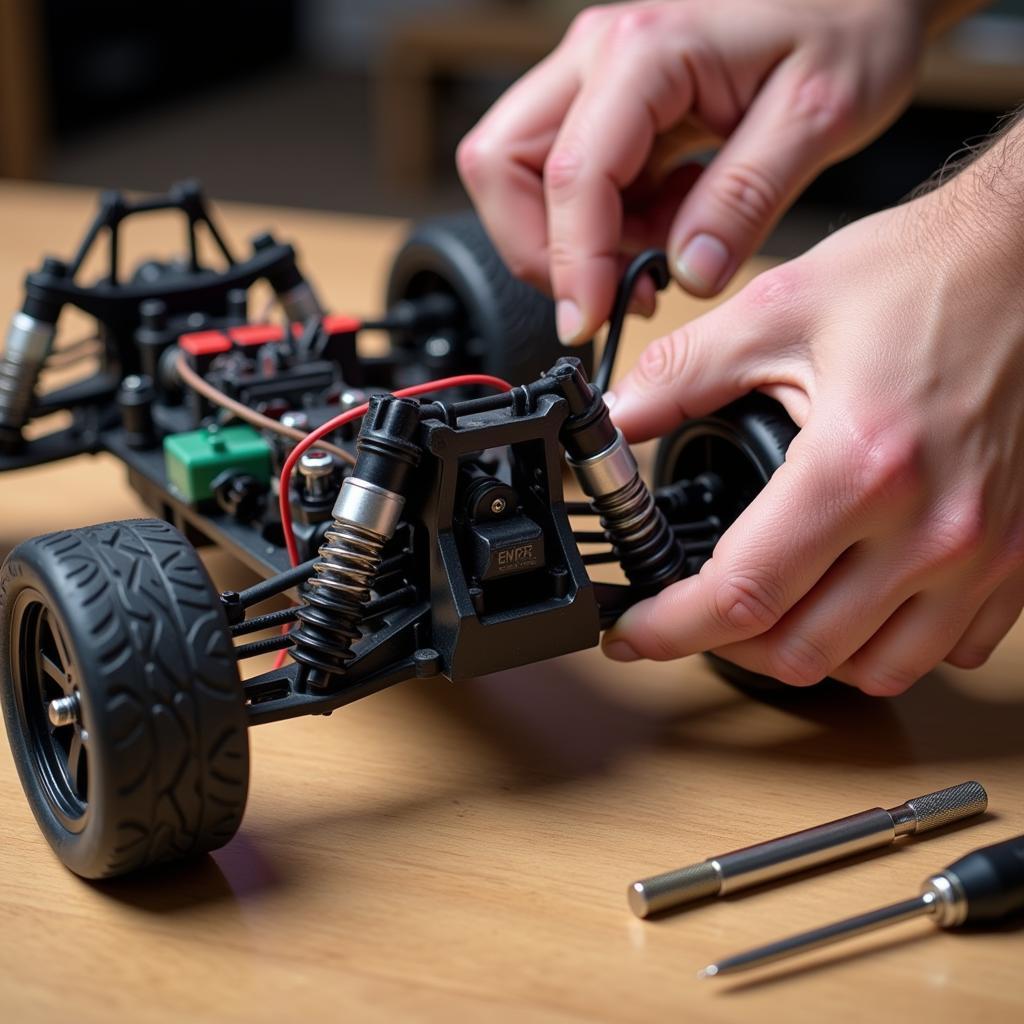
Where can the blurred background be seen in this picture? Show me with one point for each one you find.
(357, 105)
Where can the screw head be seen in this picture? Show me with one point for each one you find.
(351, 397)
(498, 506)
(296, 420)
(64, 710)
(316, 464)
(438, 347)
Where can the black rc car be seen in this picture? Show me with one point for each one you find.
(409, 501)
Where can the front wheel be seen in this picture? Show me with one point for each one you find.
(121, 695)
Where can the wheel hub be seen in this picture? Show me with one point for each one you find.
(47, 692)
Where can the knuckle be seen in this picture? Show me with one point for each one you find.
(959, 535)
(563, 169)
(885, 462)
(631, 22)
(666, 358)
(748, 194)
(826, 106)
(775, 289)
(562, 254)
(661, 644)
(588, 21)
(747, 603)
(472, 157)
(801, 661)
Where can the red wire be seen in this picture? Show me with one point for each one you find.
(462, 380)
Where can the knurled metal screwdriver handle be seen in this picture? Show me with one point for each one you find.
(790, 854)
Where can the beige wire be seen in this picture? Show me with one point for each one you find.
(192, 380)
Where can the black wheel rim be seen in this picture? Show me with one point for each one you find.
(428, 354)
(44, 670)
(716, 452)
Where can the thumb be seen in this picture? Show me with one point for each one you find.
(710, 361)
(783, 140)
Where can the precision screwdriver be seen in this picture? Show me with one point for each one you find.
(985, 886)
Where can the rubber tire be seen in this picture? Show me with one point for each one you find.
(161, 698)
(514, 322)
(759, 431)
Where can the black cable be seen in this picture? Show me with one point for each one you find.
(651, 261)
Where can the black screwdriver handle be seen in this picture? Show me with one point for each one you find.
(992, 881)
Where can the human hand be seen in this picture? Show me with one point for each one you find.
(579, 164)
(893, 536)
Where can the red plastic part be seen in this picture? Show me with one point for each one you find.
(204, 343)
(256, 334)
(338, 324)
(335, 323)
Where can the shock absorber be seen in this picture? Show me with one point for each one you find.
(603, 462)
(29, 340)
(365, 517)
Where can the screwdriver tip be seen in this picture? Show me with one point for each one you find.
(708, 972)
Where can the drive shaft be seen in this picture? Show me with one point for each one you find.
(789, 854)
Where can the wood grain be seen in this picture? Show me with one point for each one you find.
(442, 852)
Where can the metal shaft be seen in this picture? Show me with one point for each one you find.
(787, 855)
(824, 936)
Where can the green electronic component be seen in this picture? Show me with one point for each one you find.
(195, 459)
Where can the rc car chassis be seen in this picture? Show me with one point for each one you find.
(435, 539)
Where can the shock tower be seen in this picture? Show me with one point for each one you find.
(391, 447)
(174, 289)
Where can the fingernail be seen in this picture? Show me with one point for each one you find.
(703, 262)
(568, 321)
(610, 399)
(619, 650)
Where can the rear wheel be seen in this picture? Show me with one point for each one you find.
(121, 696)
(501, 325)
(734, 452)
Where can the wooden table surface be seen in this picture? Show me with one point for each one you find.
(441, 852)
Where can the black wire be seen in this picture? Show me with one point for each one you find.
(651, 261)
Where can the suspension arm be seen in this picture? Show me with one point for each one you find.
(387, 656)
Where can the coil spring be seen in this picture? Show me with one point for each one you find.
(640, 534)
(333, 603)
